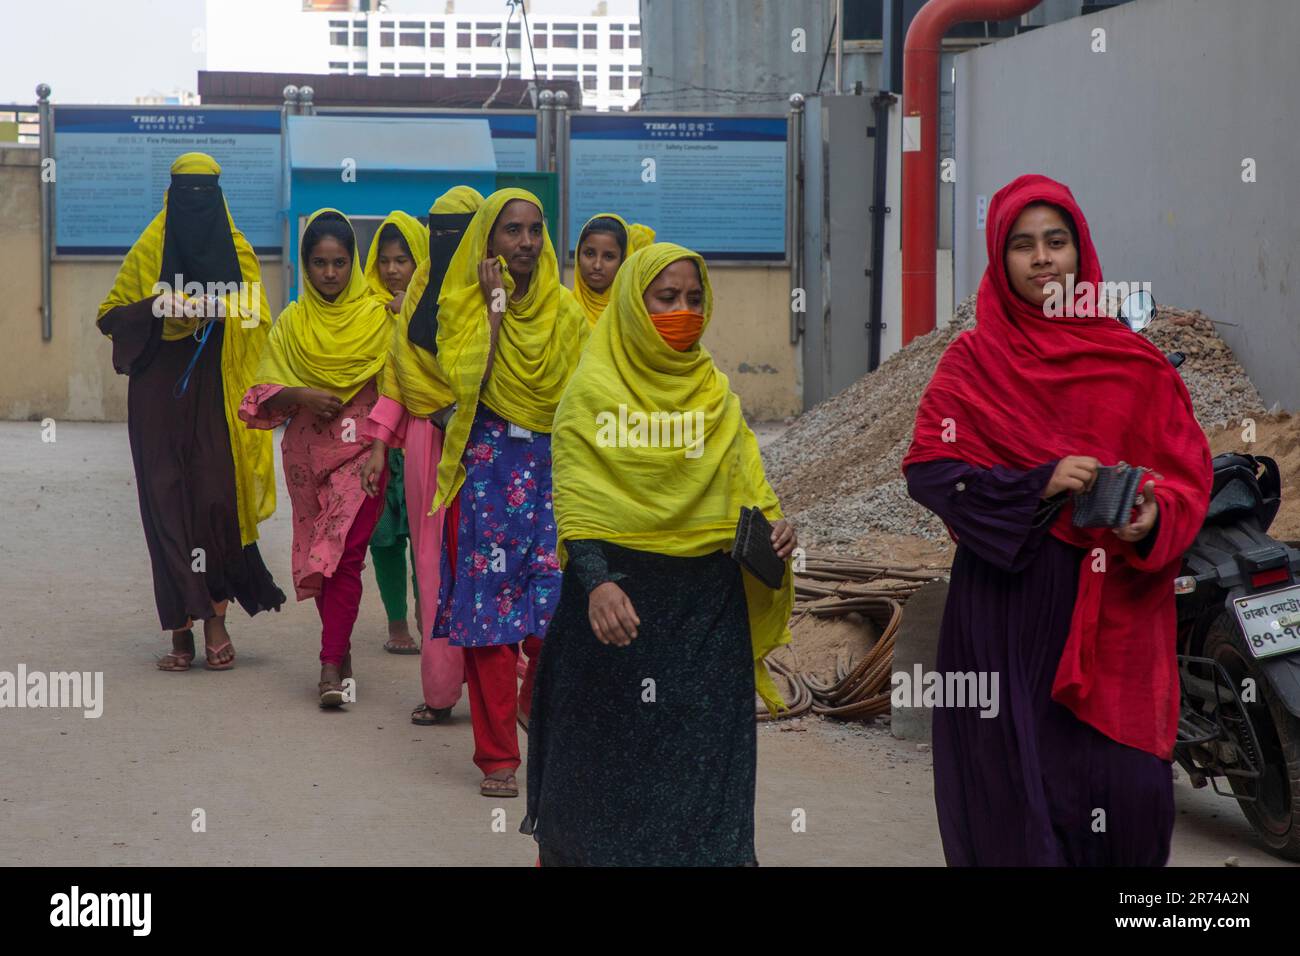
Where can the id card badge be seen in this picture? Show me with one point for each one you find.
(517, 432)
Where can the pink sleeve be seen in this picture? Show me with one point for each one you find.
(387, 422)
(253, 408)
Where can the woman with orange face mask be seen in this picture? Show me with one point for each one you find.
(641, 742)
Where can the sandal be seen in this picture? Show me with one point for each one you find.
(181, 659)
(212, 652)
(411, 648)
(499, 786)
(426, 716)
(331, 693)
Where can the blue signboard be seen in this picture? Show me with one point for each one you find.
(113, 167)
(716, 184)
(514, 135)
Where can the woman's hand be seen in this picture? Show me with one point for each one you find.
(1074, 473)
(612, 616)
(323, 405)
(373, 468)
(784, 539)
(492, 284)
(1148, 508)
(395, 305)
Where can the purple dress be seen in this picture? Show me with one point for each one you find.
(502, 581)
(1034, 785)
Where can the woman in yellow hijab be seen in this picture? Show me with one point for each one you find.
(400, 245)
(412, 392)
(605, 241)
(319, 372)
(509, 336)
(644, 701)
(188, 318)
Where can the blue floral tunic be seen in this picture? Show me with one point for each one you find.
(501, 582)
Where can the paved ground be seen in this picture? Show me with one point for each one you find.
(282, 782)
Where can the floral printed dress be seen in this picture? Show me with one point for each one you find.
(500, 574)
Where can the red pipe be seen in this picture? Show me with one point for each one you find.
(921, 165)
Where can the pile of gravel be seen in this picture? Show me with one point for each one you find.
(837, 468)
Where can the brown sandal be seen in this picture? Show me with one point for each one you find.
(331, 693)
(499, 786)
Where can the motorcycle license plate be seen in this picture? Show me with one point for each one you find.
(1270, 621)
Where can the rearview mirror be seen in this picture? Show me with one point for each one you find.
(1138, 310)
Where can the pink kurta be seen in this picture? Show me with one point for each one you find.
(442, 667)
(322, 468)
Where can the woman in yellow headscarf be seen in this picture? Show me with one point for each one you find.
(400, 245)
(644, 704)
(509, 337)
(204, 482)
(605, 241)
(319, 371)
(412, 393)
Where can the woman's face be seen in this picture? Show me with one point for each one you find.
(676, 289)
(329, 266)
(1040, 251)
(395, 266)
(517, 236)
(598, 260)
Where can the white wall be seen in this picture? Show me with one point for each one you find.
(1150, 136)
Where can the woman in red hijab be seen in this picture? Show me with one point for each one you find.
(1071, 766)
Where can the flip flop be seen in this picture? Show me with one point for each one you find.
(392, 648)
(183, 657)
(427, 716)
(209, 653)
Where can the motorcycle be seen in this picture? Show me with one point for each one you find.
(1238, 611)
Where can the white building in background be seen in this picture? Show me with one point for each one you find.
(601, 49)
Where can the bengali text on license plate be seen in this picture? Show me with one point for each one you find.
(1271, 622)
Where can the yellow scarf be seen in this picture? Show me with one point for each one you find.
(412, 376)
(417, 240)
(680, 501)
(334, 346)
(252, 452)
(593, 303)
(538, 345)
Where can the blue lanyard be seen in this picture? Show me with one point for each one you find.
(184, 382)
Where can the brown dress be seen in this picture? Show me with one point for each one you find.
(184, 472)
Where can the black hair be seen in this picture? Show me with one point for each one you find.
(607, 225)
(328, 224)
(390, 233)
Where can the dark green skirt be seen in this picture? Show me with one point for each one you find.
(645, 755)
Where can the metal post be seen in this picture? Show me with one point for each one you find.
(794, 219)
(47, 209)
(306, 101)
(545, 114)
(839, 45)
(287, 109)
(561, 130)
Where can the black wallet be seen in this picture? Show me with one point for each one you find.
(1109, 502)
(753, 548)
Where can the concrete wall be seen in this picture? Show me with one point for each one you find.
(72, 377)
(1151, 136)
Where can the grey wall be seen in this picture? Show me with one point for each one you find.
(1150, 136)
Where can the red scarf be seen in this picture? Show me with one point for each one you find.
(1023, 389)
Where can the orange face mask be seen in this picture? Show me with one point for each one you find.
(680, 329)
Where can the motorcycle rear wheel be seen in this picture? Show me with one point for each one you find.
(1275, 816)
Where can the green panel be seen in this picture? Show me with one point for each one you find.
(546, 187)
(8, 132)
